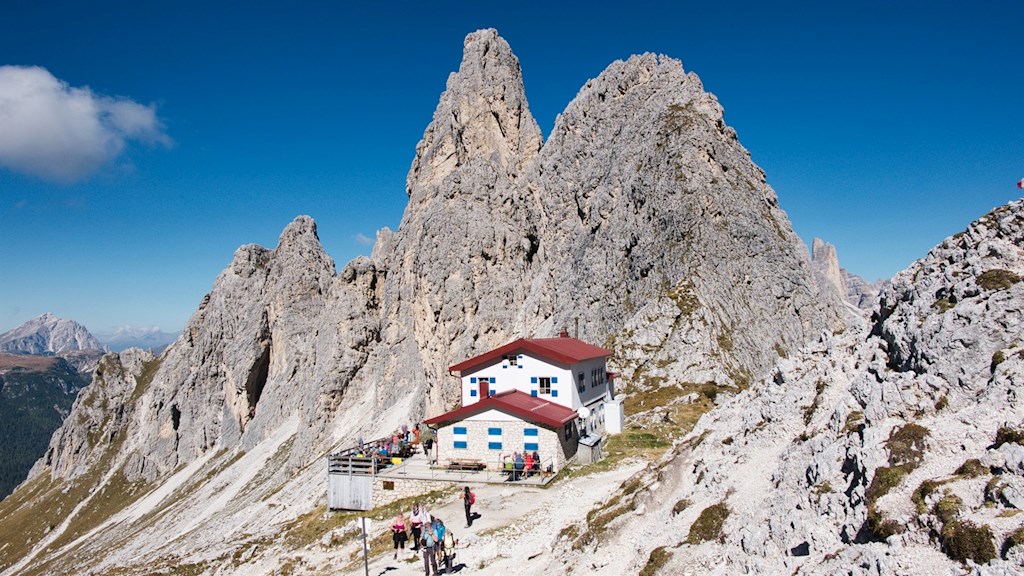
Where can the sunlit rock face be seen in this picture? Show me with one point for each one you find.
(641, 223)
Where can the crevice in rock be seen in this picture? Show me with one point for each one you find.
(257, 378)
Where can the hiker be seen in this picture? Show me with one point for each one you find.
(416, 526)
(428, 539)
(528, 464)
(439, 531)
(428, 442)
(468, 499)
(398, 535)
(536, 461)
(416, 434)
(448, 544)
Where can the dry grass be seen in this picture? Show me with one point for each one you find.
(25, 361)
(708, 526)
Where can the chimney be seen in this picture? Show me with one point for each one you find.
(564, 333)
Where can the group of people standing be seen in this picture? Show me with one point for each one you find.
(429, 534)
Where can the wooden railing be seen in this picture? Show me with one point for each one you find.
(349, 460)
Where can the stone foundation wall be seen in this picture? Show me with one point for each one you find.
(388, 490)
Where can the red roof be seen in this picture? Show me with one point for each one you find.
(565, 350)
(516, 403)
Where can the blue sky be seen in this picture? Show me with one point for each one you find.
(883, 126)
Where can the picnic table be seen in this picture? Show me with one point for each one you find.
(466, 464)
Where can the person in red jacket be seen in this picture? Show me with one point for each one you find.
(468, 499)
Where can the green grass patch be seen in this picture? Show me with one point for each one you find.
(1005, 435)
(906, 445)
(882, 527)
(655, 561)
(971, 469)
(708, 526)
(963, 540)
(997, 279)
(854, 422)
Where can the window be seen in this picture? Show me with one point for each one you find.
(545, 384)
(459, 435)
(512, 359)
(568, 431)
(580, 383)
(494, 438)
(530, 442)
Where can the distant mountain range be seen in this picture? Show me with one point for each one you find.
(49, 335)
(137, 337)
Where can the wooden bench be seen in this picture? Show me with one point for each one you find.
(466, 464)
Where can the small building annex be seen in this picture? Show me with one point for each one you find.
(531, 395)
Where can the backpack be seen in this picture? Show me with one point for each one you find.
(472, 498)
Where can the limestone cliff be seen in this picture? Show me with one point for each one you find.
(892, 448)
(838, 281)
(642, 217)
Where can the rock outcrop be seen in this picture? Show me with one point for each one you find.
(48, 334)
(836, 280)
(892, 448)
(642, 218)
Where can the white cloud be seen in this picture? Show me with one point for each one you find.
(61, 133)
(364, 239)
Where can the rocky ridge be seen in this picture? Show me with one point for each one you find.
(893, 447)
(642, 217)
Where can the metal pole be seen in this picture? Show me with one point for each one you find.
(366, 550)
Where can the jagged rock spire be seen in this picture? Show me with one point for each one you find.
(482, 115)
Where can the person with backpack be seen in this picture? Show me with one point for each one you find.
(468, 499)
(439, 531)
(428, 540)
(448, 544)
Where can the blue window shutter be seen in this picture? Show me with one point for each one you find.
(504, 366)
(554, 392)
(519, 366)
(554, 379)
(494, 431)
(533, 379)
(459, 430)
(520, 355)
(494, 445)
(529, 431)
(533, 393)
(472, 380)
(531, 446)
(490, 392)
(472, 392)
(459, 444)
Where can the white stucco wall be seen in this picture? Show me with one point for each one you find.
(564, 391)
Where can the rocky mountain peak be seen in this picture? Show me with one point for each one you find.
(48, 334)
(482, 116)
(825, 263)
(642, 217)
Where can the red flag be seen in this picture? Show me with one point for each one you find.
(1021, 183)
